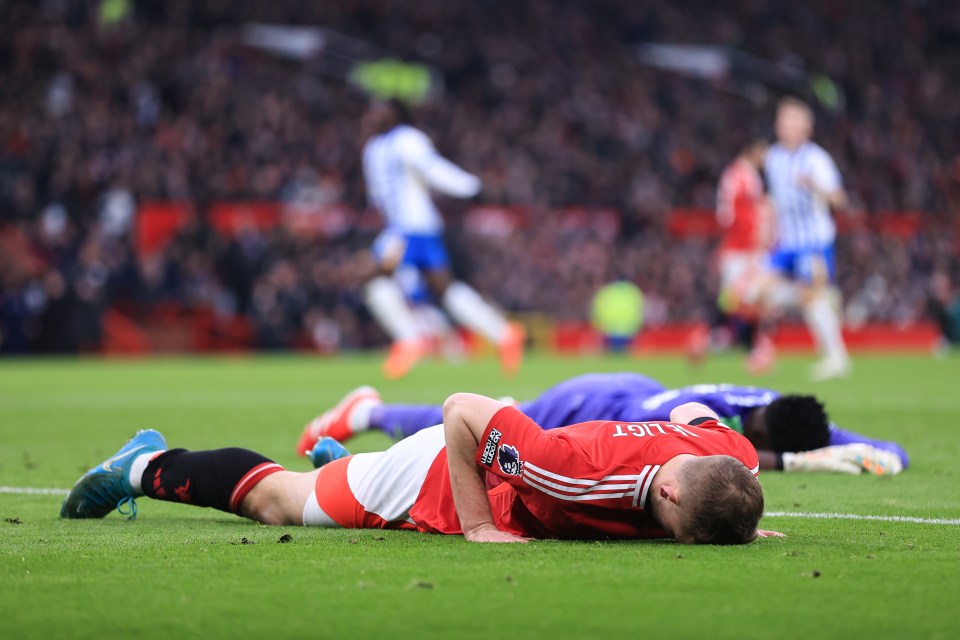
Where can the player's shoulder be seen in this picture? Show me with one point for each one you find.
(775, 154)
(816, 153)
(776, 149)
(410, 136)
(710, 424)
(736, 170)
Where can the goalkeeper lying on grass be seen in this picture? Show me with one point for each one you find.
(488, 472)
(790, 432)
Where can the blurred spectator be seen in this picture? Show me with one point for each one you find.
(108, 104)
(944, 305)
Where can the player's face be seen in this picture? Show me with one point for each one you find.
(669, 518)
(755, 428)
(794, 125)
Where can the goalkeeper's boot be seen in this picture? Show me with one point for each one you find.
(325, 451)
(107, 486)
(340, 422)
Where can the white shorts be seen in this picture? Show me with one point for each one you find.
(741, 274)
(374, 489)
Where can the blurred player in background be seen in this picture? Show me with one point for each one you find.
(400, 167)
(804, 184)
(790, 432)
(442, 338)
(744, 213)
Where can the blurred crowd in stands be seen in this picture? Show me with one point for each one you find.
(105, 105)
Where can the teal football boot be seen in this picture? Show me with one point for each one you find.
(107, 486)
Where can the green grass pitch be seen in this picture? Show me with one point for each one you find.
(181, 572)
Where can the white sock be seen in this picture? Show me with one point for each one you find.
(824, 323)
(137, 468)
(389, 306)
(472, 311)
(359, 419)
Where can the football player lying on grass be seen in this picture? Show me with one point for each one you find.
(790, 432)
(488, 472)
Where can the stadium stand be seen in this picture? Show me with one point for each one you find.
(157, 116)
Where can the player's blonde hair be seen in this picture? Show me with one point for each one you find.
(722, 502)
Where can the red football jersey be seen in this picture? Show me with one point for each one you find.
(740, 202)
(585, 481)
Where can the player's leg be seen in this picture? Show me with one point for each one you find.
(438, 334)
(362, 409)
(388, 304)
(822, 315)
(279, 499)
(344, 419)
(221, 478)
(747, 284)
(466, 306)
(808, 290)
(444, 339)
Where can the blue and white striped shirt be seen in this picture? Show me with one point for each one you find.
(400, 167)
(803, 220)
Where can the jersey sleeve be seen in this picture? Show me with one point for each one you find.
(438, 172)
(569, 466)
(512, 439)
(824, 172)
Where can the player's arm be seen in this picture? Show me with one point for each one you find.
(465, 418)
(824, 181)
(692, 411)
(446, 177)
(769, 460)
(835, 198)
(438, 172)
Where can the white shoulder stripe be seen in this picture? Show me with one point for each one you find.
(643, 486)
(598, 486)
(576, 498)
(633, 486)
(569, 480)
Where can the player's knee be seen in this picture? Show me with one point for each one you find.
(268, 503)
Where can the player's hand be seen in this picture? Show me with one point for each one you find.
(764, 533)
(845, 458)
(805, 182)
(489, 533)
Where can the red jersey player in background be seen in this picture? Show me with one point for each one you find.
(744, 212)
(489, 473)
(747, 220)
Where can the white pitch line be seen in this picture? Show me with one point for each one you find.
(854, 516)
(37, 491)
(34, 491)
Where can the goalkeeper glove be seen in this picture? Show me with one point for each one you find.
(845, 458)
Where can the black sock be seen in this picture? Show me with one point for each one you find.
(220, 478)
